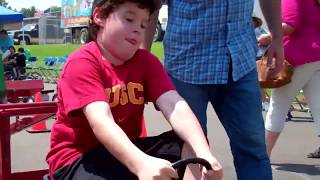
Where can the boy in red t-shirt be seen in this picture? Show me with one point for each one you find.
(101, 96)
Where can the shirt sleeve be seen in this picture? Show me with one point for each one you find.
(291, 12)
(157, 79)
(11, 43)
(81, 84)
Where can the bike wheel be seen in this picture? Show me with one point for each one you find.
(34, 76)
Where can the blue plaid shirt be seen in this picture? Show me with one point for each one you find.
(203, 37)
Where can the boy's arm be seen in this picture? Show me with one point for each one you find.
(149, 33)
(119, 145)
(186, 125)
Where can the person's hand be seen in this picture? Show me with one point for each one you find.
(156, 169)
(216, 173)
(264, 39)
(275, 52)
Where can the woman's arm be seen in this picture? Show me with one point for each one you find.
(119, 145)
(186, 126)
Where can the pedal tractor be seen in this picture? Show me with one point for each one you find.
(28, 114)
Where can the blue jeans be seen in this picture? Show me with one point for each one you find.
(238, 106)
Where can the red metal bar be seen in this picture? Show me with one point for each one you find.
(32, 175)
(28, 108)
(28, 121)
(25, 105)
(5, 152)
(19, 85)
(22, 88)
(7, 110)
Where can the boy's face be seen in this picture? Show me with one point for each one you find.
(122, 32)
(11, 50)
(255, 24)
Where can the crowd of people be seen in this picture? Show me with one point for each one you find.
(14, 63)
(300, 27)
(98, 133)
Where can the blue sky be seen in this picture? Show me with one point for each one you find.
(39, 4)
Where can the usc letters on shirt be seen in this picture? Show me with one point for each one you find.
(123, 94)
(87, 78)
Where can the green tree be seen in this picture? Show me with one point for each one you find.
(53, 11)
(28, 12)
(33, 10)
(3, 3)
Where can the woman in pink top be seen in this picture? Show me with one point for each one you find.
(301, 28)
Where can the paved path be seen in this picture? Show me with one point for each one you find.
(289, 160)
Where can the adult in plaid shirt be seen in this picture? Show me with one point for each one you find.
(210, 53)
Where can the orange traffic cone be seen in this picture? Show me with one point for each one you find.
(40, 127)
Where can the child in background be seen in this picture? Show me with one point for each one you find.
(13, 54)
(258, 30)
(20, 62)
(102, 92)
(9, 61)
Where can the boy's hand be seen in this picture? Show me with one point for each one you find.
(156, 169)
(216, 173)
(264, 39)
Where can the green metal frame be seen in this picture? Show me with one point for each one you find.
(2, 83)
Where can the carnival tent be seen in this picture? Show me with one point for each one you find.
(9, 16)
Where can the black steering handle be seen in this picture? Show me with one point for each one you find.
(184, 162)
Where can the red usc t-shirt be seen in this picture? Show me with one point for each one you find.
(87, 78)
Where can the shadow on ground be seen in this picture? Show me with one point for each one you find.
(301, 119)
(311, 170)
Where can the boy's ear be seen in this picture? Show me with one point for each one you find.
(97, 18)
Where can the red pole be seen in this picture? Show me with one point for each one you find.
(5, 153)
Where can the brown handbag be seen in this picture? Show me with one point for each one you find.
(264, 74)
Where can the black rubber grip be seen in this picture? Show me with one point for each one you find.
(46, 91)
(184, 162)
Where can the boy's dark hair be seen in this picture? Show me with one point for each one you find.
(108, 6)
(12, 47)
(3, 32)
(21, 50)
(257, 20)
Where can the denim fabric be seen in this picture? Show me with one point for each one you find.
(238, 106)
(202, 35)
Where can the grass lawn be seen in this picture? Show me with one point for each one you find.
(157, 49)
(59, 50)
